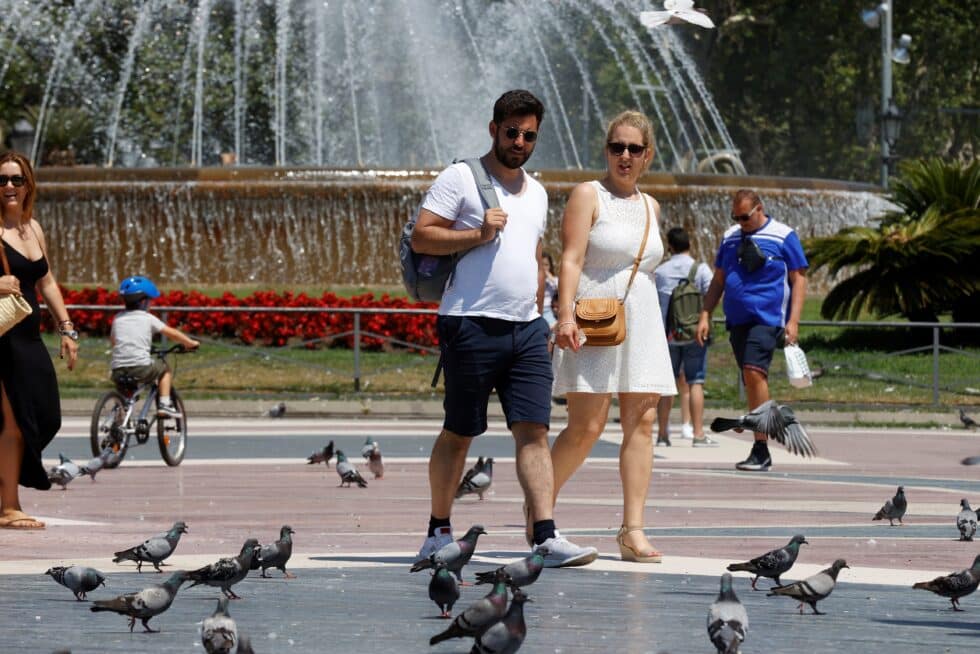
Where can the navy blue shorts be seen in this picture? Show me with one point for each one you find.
(482, 354)
(692, 358)
(753, 345)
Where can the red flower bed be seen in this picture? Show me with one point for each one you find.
(268, 328)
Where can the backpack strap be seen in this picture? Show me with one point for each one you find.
(693, 273)
(483, 183)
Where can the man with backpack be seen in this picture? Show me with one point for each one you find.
(681, 285)
(491, 333)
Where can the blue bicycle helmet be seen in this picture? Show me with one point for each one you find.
(138, 287)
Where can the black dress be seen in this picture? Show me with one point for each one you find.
(28, 375)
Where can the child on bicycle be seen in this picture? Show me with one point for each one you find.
(132, 337)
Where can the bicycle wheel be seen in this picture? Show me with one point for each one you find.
(172, 433)
(107, 428)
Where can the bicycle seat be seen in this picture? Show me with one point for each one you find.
(127, 384)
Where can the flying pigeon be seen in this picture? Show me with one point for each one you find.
(775, 421)
(894, 508)
(64, 472)
(347, 472)
(219, 633)
(478, 616)
(275, 555)
(226, 572)
(507, 635)
(954, 585)
(774, 563)
(323, 456)
(367, 447)
(77, 578)
(375, 464)
(443, 589)
(97, 463)
(966, 521)
(522, 573)
(146, 603)
(153, 550)
(453, 555)
(278, 411)
(968, 422)
(727, 620)
(479, 481)
(812, 589)
(676, 12)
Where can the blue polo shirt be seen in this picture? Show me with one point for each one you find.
(761, 297)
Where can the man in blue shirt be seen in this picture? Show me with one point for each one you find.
(761, 270)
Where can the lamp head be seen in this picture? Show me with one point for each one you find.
(900, 54)
(872, 17)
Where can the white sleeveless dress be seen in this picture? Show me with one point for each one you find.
(641, 363)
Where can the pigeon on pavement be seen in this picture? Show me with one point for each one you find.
(375, 464)
(478, 616)
(275, 555)
(507, 635)
(78, 579)
(775, 421)
(278, 411)
(146, 603)
(894, 508)
(968, 422)
(812, 589)
(443, 589)
(477, 480)
(971, 460)
(954, 585)
(226, 572)
(322, 456)
(63, 473)
(522, 573)
(98, 462)
(453, 555)
(347, 472)
(966, 521)
(219, 633)
(773, 563)
(367, 447)
(153, 550)
(676, 12)
(727, 620)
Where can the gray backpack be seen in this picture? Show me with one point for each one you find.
(426, 275)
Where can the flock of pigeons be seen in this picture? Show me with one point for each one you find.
(67, 470)
(219, 632)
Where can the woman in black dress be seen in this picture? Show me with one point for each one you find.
(30, 409)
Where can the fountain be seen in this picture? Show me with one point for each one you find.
(336, 116)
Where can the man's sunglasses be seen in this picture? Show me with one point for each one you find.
(530, 136)
(742, 217)
(635, 149)
(16, 180)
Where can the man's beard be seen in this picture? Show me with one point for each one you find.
(508, 159)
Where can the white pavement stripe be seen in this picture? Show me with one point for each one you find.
(834, 482)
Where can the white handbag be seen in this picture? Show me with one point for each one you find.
(797, 368)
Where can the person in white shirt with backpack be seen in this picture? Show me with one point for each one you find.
(681, 284)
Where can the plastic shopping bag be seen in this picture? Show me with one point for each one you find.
(797, 368)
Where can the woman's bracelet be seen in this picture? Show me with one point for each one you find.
(66, 322)
(566, 322)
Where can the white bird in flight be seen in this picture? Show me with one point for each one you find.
(676, 12)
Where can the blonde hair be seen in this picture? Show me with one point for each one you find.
(28, 172)
(632, 118)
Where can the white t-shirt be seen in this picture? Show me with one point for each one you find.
(498, 279)
(132, 335)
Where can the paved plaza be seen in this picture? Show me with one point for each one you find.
(246, 477)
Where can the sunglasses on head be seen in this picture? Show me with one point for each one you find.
(742, 217)
(16, 180)
(530, 136)
(635, 149)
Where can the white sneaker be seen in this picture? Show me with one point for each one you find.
(687, 431)
(564, 554)
(432, 544)
(168, 411)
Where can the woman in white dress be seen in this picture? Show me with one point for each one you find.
(602, 230)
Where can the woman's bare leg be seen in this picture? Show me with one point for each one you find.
(637, 413)
(11, 458)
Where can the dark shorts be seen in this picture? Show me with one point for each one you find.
(692, 359)
(480, 355)
(753, 345)
(142, 374)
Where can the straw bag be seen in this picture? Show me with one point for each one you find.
(13, 307)
(603, 320)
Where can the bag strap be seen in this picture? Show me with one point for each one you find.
(643, 247)
(484, 187)
(692, 275)
(3, 254)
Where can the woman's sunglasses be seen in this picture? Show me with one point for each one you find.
(635, 149)
(530, 136)
(16, 180)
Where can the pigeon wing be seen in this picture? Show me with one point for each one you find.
(652, 19)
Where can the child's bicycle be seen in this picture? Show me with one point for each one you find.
(115, 420)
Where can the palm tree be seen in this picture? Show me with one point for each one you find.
(920, 260)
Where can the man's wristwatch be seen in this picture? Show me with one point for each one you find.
(70, 333)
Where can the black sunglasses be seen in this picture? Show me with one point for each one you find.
(618, 149)
(16, 180)
(530, 136)
(742, 217)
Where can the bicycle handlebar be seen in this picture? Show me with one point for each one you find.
(175, 348)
